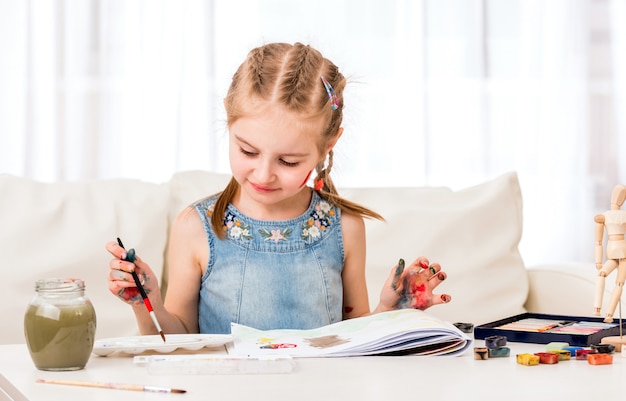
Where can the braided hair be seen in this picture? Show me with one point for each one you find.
(289, 75)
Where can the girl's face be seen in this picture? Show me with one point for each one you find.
(271, 156)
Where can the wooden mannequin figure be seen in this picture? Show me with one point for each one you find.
(614, 222)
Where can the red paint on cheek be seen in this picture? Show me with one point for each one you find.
(348, 309)
(306, 179)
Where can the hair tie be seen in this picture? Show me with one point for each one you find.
(319, 184)
(334, 101)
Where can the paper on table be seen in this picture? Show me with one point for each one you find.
(400, 332)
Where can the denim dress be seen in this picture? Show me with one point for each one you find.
(272, 274)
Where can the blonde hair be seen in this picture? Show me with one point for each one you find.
(289, 76)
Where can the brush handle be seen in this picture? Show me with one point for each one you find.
(140, 287)
(130, 257)
(117, 386)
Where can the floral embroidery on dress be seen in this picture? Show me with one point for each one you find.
(235, 228)
(319, 221)
(275, 235)
(208, 210)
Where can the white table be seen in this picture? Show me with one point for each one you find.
(364, 378)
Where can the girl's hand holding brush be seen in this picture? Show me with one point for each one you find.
(132, 280)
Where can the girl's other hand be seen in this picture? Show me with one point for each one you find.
(412, 286)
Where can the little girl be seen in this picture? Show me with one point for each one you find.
(269, 251)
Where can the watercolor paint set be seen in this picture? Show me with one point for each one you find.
(543, 329)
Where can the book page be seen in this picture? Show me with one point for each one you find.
(399, 332)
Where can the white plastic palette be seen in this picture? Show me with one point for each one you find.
(138, 344)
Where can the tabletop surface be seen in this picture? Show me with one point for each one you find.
(357, 378)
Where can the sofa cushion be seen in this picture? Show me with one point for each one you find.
(59, 230)
(579, 280)
(189, 186)
(474, 234)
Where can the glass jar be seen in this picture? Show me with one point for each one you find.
(60, 325)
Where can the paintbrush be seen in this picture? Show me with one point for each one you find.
(130, 257)
(117, 386)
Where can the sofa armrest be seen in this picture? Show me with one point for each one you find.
(565, 289)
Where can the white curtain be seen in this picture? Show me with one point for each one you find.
(442, 92)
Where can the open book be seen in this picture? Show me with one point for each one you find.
(399, 332)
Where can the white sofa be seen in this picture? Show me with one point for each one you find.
(59, 230)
